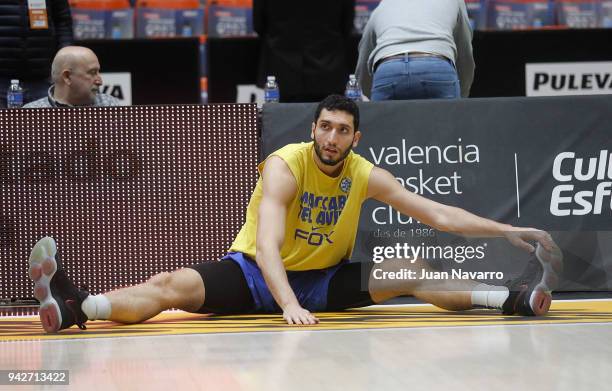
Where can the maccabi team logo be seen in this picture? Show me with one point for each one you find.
(345, 184)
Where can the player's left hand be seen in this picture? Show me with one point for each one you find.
(521, 238)
(295, 314)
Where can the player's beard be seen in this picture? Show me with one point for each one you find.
(331, 162)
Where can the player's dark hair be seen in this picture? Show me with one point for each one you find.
(341, 103)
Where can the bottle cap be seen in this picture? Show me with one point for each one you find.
(271, 78)
(14, 81)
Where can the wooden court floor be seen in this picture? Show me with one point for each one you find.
(375, 348)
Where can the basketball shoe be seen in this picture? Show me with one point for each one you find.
(60, 300)
(530, 293)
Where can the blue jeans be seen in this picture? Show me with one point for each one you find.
(415, 78)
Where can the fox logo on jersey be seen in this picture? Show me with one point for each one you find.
(314, 238)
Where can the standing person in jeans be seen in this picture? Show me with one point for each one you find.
(30, 35)
(416, 49)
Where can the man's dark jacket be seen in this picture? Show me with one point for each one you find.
(304, 44)
(25, 53)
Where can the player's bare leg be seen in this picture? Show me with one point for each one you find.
(182, 289)
(62, 304)
(447, 294)
(529, 294)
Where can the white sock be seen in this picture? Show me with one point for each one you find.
(96, 307)
(489, 296)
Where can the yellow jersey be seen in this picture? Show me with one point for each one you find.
(322, 219)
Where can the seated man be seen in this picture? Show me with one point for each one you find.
(75, 73)
(274, 266)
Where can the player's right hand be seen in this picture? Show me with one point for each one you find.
(294, 314)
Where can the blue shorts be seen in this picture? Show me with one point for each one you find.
(310, 286)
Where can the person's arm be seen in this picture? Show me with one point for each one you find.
(348, 18)
(465, 58)
(62, 20)
(366, 46)
(383, 187)
(279, 188)
(259, 22)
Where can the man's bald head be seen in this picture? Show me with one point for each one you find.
(68, 58)
(76, 75)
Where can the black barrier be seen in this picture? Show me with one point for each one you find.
(538, 162)
(126, 191)
(231, 62)
(163, 71)
(500, 56)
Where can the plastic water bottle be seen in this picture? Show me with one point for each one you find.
(14, 95)
(353, 89)
(116, 31)
(187, 30)
(272, 95)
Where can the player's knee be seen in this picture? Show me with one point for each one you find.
(398, 276)
(420, 264)
(395, 265)
(162, 281)
(165, 286)
(183, 289)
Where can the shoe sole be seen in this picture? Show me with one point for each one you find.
(42, 269)
(540, 301)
